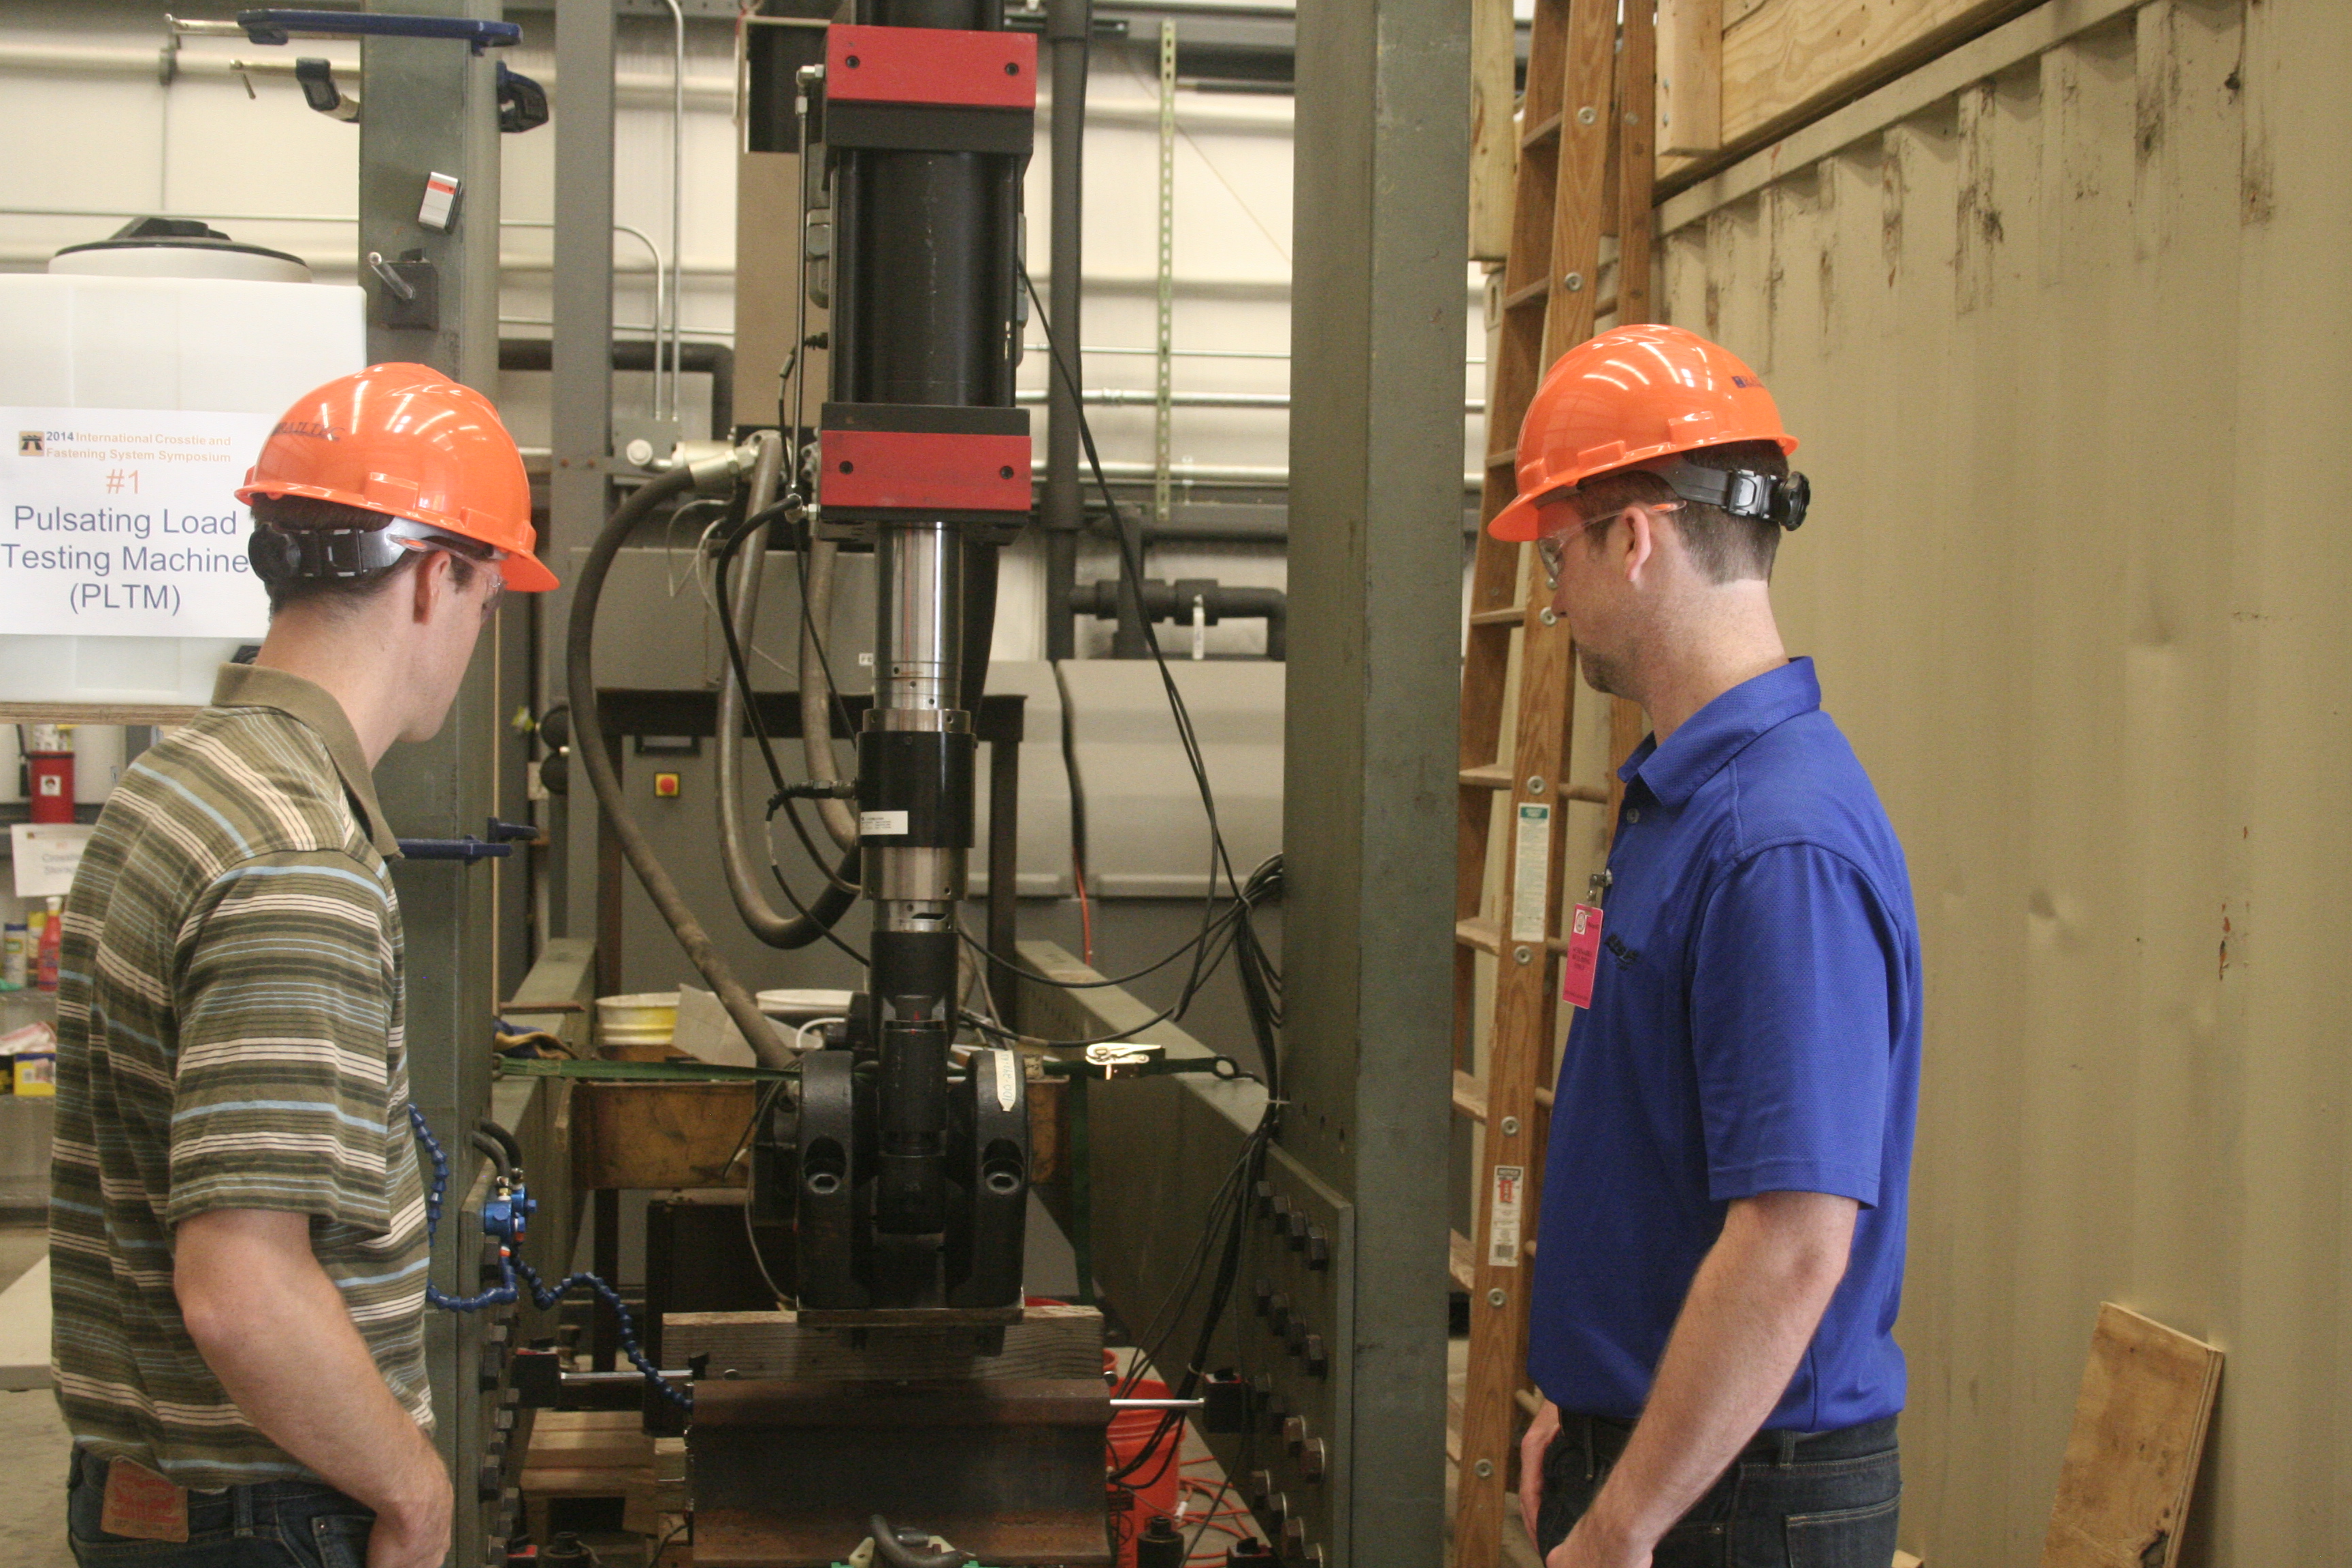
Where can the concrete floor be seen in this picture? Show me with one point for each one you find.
(32, 1508)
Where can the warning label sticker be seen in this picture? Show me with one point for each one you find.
(1503, 1216)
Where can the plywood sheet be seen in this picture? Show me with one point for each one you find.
(2139, 1430)
(1782, 58)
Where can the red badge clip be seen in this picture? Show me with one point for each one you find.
(1583, 955)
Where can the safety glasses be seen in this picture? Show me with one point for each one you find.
(1552, 549)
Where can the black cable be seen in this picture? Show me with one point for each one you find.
(839, 894)
(1186, 736)
(803, 544)
(579, 679)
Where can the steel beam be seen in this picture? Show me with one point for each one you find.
(580, 410)
(432, 108)
(1377, 346)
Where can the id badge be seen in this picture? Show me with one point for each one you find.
(1583, 956)
(142, 1505)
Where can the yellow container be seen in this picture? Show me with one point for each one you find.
(35, 1072)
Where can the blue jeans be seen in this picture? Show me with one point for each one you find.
(1826, 1500)
(272, 1524)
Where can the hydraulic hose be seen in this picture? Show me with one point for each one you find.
(895, 1550)
(588, 730)
(742, 881)
(816, 693)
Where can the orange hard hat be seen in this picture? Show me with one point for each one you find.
(1631, 395)
(406, 441)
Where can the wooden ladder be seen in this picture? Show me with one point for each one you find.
(1585, 160)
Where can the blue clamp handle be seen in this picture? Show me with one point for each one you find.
(500, 842)
(273, 26)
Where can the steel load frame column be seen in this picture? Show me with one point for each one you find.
(1069, 27)
(432, 108)
(579, 485)
(1377, 346)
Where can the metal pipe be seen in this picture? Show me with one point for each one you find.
(677, 196)
(1139, 397)
(1183, 353)
(1069, 26)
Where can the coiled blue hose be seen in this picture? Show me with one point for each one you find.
(514, 1274)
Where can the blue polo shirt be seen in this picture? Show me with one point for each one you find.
(1754, 1029)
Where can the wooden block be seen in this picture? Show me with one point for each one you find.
(590, 1451)
(1690, 75)
(1494, 132)
(2131, 1461)
(1048, 1342)
(602, 1481)
(660, 1134)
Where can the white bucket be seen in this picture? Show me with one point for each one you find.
(800, 1007)
(639, 1018)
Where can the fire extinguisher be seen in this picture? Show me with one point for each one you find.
(49, 772)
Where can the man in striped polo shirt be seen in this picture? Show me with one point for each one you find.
(236, 1219)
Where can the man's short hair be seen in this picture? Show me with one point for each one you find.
(1725, 548)
(339, 594)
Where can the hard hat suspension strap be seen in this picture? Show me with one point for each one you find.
(280, 554)
(1742, 492)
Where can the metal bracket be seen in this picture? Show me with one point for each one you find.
(276, 26)
(408, 291)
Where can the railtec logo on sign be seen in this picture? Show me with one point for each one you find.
(121, 523)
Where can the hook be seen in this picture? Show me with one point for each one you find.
(391, 276)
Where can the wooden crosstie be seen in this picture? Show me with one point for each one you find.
(1585, 162)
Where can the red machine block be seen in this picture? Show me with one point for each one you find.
(931, 67)
(915, 470)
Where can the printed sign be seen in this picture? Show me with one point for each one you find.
(47, 857)
(121, 523)
(1502, 1217)
(1531, 873)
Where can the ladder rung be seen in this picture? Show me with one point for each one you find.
(1509, 615)
(1469, 1096)
(1484, 935)
(1529, 1400)
(1543, 130)
(1528, 1247)
(1509, 459)
(1460, 1260)
(1543, 1097)
(1494, 776)
(1534, 293)
(1589, 793)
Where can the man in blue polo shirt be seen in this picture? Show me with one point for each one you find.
(1721, 1248)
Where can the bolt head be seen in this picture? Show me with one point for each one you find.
(1573, 283)
(1549, 617)
(1584, 116)
(1495, 1297)
(1486, 1468)
(1535, 783)
(1522, 955)
(1510, 1126)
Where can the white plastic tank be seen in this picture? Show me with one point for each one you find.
(137, 378)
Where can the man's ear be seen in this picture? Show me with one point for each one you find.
(1640, 551)
(430, 584)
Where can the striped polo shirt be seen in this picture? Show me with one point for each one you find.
(229, 1017)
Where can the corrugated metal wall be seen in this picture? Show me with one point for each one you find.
(2070, 351)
